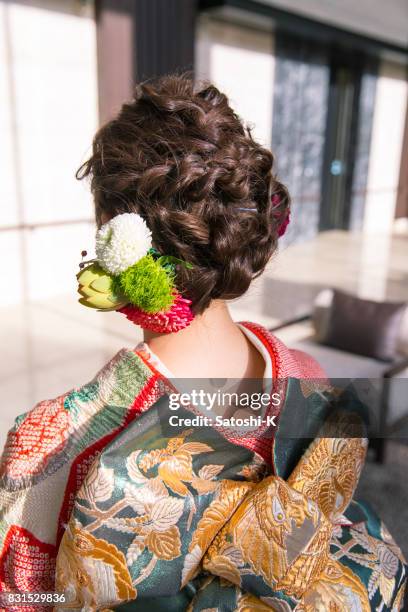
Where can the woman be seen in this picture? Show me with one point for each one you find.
(129, 493)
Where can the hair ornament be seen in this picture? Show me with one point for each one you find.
(176, 318)
(121, 242)
(286, 220)
(275, 203)
(130, 276)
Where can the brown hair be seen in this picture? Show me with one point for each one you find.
(179, 156)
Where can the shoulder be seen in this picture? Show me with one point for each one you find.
(49, 434)
(309, 367)
(36, 434)
(287, 362)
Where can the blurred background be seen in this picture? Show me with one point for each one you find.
(323, 83)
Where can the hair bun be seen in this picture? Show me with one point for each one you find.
(181, 157)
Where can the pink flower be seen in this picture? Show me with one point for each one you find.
(284, 224)
(176, 318)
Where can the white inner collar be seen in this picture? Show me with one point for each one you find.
(259, 345)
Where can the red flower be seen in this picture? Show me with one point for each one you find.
(177, 317)
(284, 224)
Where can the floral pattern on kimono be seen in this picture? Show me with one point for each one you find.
(194, 517)
(101, 499)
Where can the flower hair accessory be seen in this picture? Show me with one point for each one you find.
(130, 276)
(275, 199)
(286, 220)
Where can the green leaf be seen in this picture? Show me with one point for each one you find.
(169, 260)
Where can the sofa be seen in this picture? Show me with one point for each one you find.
(382, 379)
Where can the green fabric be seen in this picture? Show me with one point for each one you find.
(157, 491)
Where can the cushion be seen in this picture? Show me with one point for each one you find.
(402, 342)
(338, 364)
(359, 326)
(321, 314)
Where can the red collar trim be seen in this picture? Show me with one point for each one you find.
(267, 339)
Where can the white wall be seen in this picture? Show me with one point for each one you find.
(240, 61)
(386, 147)
(48, 114)
(383, 19)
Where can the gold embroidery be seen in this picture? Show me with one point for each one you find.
(328, 473)
(270, 529)
(82, 564)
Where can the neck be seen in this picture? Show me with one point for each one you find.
(212, 345)
(215, 320)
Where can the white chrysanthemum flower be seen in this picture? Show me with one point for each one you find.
(122, 241)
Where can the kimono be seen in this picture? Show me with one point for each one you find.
(106, 504)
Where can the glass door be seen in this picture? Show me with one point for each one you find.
(339, 156)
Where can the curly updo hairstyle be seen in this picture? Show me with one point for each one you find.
(178, 155)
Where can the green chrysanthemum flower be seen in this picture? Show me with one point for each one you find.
(147, 285)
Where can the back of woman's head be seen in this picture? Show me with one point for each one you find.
(178, 155)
